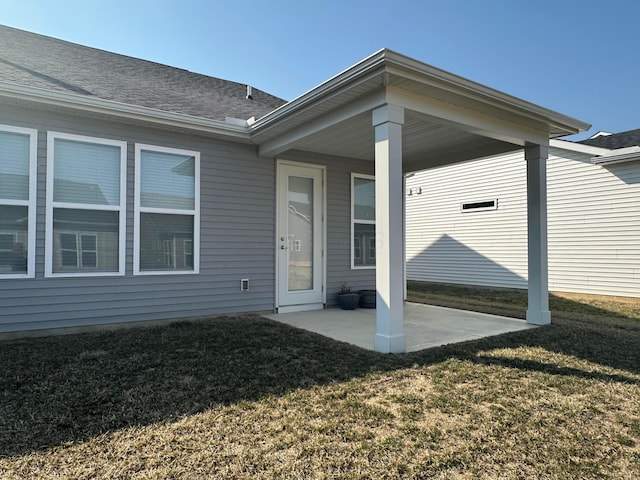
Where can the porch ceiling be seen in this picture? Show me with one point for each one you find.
(425, 144)
(447, 118)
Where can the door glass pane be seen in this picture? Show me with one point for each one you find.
(300, 231)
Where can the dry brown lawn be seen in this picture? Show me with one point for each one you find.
(244, 397)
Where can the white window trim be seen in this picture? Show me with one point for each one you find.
(353, 221)
(139, 209)
(121, 209)
(30, 203)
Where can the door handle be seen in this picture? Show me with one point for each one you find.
(282, 247)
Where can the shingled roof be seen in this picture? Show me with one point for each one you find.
(614, 141)
(39, 61)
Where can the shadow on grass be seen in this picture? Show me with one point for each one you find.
(67, 389)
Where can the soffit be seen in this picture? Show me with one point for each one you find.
(424, 144)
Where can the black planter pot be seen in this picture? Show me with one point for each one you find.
(367, 298)
(348, 301)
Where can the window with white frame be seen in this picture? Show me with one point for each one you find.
(86, 202)
(17, 201)
(167, 210)
(363, 225)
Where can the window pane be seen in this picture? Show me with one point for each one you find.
(86, 173)
(163, 241)
(167, 180)
(364, 238)
(14, 166)
(69, 258)
(93, 232)
(364, 199)
(89, 242)
(13, 239)
(89, 259)
(68, 241)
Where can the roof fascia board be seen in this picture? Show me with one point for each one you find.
(578, 147)
(621, 155)
(473, 121)
(386, 62)
(123, 110)
(600, 155)
(359, 73)
(415, 70)
(281, 143)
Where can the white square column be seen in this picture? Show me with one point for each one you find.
(538, 289)
(388, 121)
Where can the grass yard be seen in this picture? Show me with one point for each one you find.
(243, 397)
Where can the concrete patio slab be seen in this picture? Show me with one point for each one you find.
(425, 326)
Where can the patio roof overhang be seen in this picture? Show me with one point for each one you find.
(404, 116)
(447, 118)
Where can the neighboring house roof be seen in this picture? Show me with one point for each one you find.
(614, 141)
(44, 62)
(606, 149)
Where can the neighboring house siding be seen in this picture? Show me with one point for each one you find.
(479, 247)
(237, 239)
(593, 225)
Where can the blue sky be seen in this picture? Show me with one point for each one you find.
(578, 57)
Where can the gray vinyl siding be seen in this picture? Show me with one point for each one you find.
(237, 239)
(593, 225)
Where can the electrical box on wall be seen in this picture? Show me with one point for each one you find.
(244, 284)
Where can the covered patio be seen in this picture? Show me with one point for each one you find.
(425, 326)
(404, 116)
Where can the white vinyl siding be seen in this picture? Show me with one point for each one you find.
(86, 198)
(488, 247)
(363, 221)
(167, 210)
(593, 224)
(17, 201)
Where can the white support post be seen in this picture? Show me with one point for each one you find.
(388, 121)
(538, 288)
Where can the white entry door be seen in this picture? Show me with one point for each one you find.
(300, 237)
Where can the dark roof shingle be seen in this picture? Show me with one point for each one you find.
(629, 138)
(39, 61)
